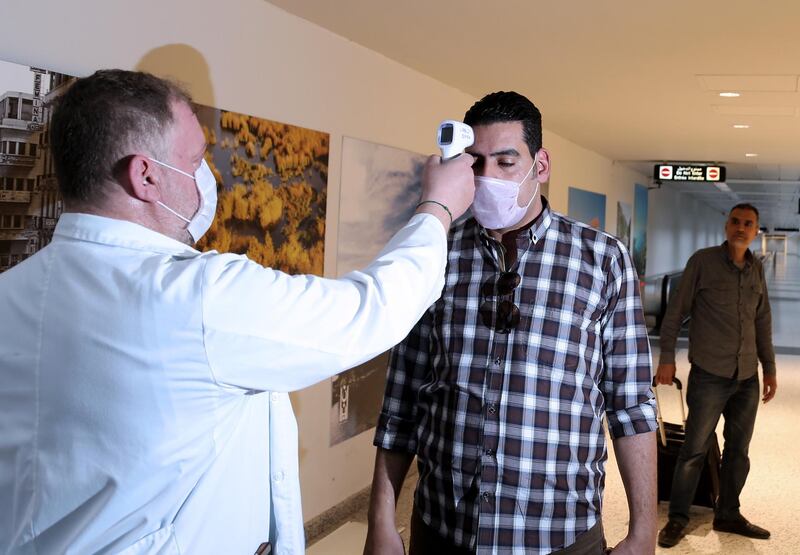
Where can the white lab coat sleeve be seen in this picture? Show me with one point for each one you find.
(266, 330)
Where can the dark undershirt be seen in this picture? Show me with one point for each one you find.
(511, 244)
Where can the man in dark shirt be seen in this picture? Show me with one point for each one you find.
(502, 389)
(724, 291)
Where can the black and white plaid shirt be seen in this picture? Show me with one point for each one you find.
(508, 428)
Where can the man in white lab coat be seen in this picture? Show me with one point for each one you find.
(143, 404)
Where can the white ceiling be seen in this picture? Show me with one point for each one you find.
(635, 81)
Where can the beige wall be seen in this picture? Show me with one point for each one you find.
(251, 57)
(575, 166)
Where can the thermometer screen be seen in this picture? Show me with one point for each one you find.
(447, 135)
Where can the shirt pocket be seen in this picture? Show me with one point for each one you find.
(720, 293)
(579, 309)
(160, 542)
(753, 294)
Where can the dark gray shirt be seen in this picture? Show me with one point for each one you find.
(731, 321)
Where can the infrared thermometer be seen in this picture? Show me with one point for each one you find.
(453, 137)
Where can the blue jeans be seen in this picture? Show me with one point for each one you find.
(709, 396)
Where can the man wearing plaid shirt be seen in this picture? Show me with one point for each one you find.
(502, 387)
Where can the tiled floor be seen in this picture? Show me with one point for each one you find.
(771, 497)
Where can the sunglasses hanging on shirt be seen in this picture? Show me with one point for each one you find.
(497, 313)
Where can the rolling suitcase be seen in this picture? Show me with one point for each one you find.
(670, 440)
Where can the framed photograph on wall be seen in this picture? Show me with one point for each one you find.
(587, 207)
(639, 235)
(380, 188)
(624, 223)
(271, 178)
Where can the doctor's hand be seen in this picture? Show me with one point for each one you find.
(665, 373)
(447, 187)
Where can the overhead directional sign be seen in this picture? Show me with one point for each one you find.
(688, 172)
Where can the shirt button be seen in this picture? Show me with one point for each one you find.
(275, 397)
(486, 496)
(489, 452)
(278, 476)
(492, 409)
(498, 360)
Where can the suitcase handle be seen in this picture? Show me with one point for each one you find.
(661, 429)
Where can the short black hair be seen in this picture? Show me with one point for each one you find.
(505, 106)
(745, 206)
(101, 120)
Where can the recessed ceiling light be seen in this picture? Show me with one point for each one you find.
(741, 126)
(751, 154)
(729, 94)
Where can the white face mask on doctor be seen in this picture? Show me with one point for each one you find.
(495, 205)
(207, 188)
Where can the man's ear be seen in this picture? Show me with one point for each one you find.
(542, 170)
(142, 179)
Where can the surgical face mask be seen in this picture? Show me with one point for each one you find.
(495, 205)
(207, 188)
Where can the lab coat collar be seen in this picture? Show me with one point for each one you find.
(121, 233)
